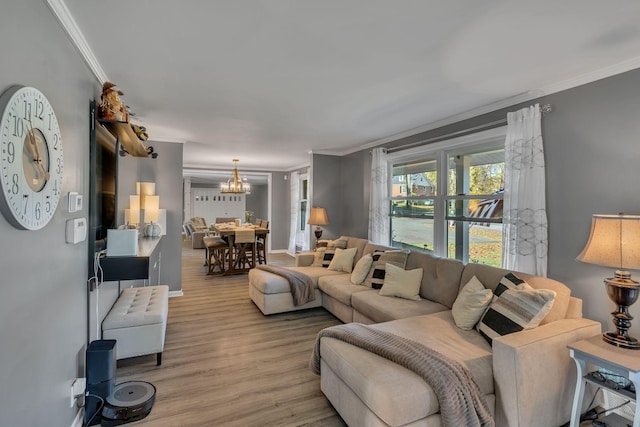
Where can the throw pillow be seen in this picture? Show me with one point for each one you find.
(470, 304)
(402, 283)
(515, 308)
(318, 257)
(332, 245)
(375, 278)
(343, 260)
(361, 270)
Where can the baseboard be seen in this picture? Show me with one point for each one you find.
(79, 419)
(175, 293)
(279, 251)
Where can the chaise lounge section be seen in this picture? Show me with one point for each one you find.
(527, 377)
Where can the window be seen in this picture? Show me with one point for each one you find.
(448, 200)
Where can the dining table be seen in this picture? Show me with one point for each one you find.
(228, 231)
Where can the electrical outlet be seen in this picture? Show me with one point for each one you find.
(78, 387)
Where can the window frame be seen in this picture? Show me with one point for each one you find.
(440, 151)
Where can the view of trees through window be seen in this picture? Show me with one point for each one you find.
(465, 221)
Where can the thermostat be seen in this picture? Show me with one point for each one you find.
(76, 230)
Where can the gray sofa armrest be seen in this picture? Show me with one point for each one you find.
(304, 259)
(534, 375)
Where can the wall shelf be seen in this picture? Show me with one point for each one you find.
(129, 141)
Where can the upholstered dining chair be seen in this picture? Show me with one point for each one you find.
(245, 248)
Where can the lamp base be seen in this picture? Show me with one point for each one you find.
(318, 233)
(621, 341)
(623, 291)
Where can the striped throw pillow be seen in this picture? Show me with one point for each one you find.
(340, 243)
(375, 278)
(516, 306)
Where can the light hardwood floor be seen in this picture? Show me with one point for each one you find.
(226, 364)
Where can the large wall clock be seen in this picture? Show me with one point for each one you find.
(31, 159)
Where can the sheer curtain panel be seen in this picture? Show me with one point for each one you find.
(524, 245)
(294, 182)
(379, 227)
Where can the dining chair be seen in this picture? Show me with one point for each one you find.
(245, 248)
(261, 247)
(215, 254)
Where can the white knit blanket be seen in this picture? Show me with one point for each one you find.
(459, 396)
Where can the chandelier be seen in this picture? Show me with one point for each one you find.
(234, 184)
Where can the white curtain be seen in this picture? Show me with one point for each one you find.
(379, 227)
(306, 236)
(294, 182)
(524, 240)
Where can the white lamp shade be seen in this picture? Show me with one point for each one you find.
(134, 210)
(614, 242)
(151, 208)
(145, 189)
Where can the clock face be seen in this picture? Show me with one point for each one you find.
(31, 159)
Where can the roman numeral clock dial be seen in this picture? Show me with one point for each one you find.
(31, 159)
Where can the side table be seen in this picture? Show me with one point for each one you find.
(623, 362)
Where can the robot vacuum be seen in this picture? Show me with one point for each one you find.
(130, 401)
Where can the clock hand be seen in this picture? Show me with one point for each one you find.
(33, 153)
(38, 159)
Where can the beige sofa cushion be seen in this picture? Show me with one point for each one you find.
(382, 309)
(269, 283)
(340, 287)
(359, 244)
(491, 276)
(385, 387)
(441, 277)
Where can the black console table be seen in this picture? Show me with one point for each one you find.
(146, 265)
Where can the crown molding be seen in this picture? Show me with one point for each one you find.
(592, 76)
(503, 103)
(575, 81)
(60, 10)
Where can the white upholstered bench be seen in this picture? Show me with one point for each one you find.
(138, 321)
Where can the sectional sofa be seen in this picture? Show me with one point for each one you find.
(527, 377)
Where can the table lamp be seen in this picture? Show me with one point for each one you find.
(615, 242)
(318, 217)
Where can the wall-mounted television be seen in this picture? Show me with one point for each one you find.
(103, 171)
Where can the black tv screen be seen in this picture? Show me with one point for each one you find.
(102, 191)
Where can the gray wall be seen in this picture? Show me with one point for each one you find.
(280, 211)
(592, 150)
(592, 156)
(258, 201)
(166, 172)
(354, 197)
(327, 193)
(43, 310)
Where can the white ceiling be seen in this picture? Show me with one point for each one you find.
(268, 81)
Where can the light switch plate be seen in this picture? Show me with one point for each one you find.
(75, 201)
